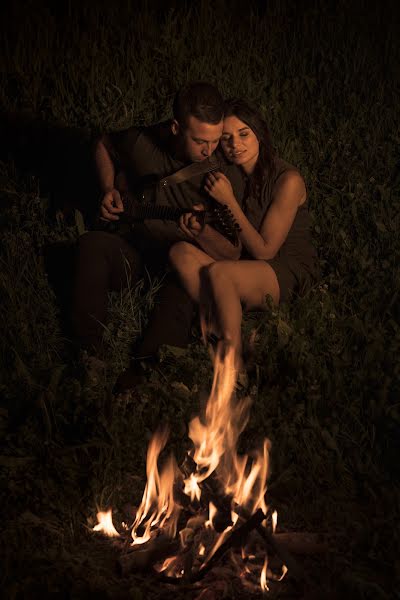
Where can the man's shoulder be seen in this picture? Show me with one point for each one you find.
(158, 133)
(138, 147)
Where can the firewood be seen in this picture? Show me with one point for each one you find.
(236, 539)
(197, 521)
(271, 543)
(212, 491)
(147, 554)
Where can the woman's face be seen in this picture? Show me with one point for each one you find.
(240, 144)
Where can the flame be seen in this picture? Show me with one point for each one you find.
(105, 524)
(192, 488)
(212, 511)
(171, 566)
(242, 478)
(215, 439)
(158, 506)
(263, 577)
(274, 521)
(284, 571)
(223, 423)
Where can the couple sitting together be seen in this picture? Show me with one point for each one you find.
(212, 153)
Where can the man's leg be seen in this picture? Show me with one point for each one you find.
(105, 262)
(169, 324)
(171, 320)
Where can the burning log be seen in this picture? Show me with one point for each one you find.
(145, 555)
(236, 540)
(212, 491)
(196, 522)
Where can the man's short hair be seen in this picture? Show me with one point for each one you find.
(201, 100)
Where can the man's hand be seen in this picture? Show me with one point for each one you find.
(189, 223)
(111, 205)
(219, 187)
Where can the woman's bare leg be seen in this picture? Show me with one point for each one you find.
(188, 260)
(224, 288)
(236, 285)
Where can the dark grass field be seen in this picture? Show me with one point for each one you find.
(326, 384)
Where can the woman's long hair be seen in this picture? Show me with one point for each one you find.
(265, 165)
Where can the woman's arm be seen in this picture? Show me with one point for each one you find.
(289, 194)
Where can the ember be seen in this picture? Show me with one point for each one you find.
(214, 505)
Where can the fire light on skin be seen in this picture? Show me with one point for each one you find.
(105, 524)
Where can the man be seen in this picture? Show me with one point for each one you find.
(126, 161)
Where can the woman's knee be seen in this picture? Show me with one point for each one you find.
(179, 253)
(216, 271)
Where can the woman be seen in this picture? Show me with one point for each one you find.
(277, 253)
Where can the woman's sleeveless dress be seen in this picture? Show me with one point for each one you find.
(295, 263)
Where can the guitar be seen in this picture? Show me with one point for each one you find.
(219, 216)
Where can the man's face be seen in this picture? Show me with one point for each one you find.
(198, 139)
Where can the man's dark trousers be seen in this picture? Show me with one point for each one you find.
(106, 262)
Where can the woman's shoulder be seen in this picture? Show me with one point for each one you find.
(286, 179)
(282, 167)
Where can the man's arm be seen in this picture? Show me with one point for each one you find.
(104, 165)
(113, 149)
(111, 203)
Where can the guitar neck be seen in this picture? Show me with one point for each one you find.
(221, 219)
(141, 212)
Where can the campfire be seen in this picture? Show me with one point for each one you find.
(208, 518)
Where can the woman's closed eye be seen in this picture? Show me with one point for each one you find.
(230, 138)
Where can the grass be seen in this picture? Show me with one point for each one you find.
(326, 385)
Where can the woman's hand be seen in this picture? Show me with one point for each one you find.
(219, 187)
(111, 205)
